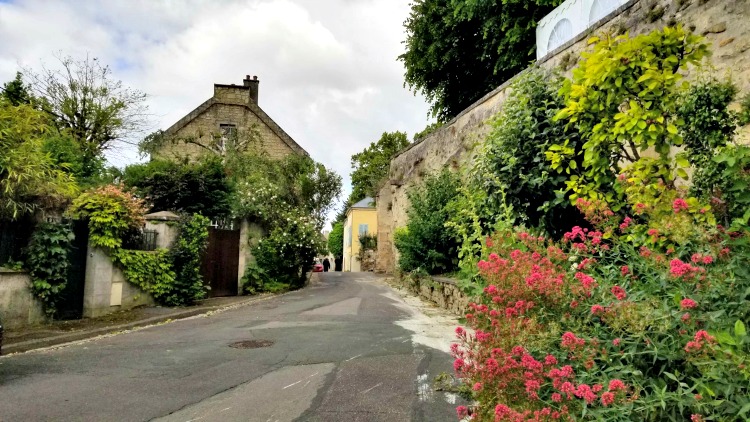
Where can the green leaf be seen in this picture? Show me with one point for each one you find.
(739, 329)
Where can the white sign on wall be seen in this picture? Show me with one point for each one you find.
(569, 20)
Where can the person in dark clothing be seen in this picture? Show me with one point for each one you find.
(326, 264)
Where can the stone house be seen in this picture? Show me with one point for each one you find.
(233, 111)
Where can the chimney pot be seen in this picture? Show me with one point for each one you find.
(253, 85)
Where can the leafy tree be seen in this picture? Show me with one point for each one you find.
(425, 244)
(191, 187)
(86, 103)
(458, 50)
(29, 180)
(336, 240)
(372, 164)
(16, 91)
(623, 99)
(269, 188)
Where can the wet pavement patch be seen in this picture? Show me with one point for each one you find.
(251, 344)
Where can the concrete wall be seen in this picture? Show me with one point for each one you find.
(18, 306)
(106, 290)
(725, 23)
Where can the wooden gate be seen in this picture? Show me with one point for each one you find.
(219, 266)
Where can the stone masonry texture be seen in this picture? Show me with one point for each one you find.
(724, 23)
(232, 105)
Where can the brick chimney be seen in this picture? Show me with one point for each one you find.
(253, 85)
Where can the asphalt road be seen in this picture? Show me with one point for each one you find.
(349, 348)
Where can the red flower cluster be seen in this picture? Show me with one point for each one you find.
(678, 205)
(684, 270)
(700, 339)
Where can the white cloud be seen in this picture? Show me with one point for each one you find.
(328, 69)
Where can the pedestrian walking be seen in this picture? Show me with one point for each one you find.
(326, 265)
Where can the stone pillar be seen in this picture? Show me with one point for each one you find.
(250, 233)
(165, 225)
(97, 289)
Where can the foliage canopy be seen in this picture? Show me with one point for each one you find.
(458, 50)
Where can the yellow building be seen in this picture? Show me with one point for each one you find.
(361, 218)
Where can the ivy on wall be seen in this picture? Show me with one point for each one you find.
(47, 260)
(171, 277)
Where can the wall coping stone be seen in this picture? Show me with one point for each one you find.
(4, 270)
(162, 216)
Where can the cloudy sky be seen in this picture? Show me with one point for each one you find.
(328, 69)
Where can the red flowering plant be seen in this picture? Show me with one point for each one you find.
(595, 327)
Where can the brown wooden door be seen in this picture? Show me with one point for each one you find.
(219, 266)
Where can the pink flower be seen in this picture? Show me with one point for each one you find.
(624, 270)
(570, 341)
(556, 397)
(625, 223)
(458, 364)
(688, 304)
(608, 398)
(488, 242)
(707, 260)
(685, 317)
(477, 386)
(550, 360)
(619, 292)
(616, 342)
(678, 205)
(597, 309)
(462, 411)
(616, 385)
(653, 232)
(696, 418)
(584, 392)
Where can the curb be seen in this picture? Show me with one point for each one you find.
(28, 345)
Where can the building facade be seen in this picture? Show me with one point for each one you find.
(232, 112)
(361, 219)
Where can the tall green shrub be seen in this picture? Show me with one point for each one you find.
(336, 240)
(623, 99)
(426, 244)
(185, 255)
(48, 262)
(512, 168)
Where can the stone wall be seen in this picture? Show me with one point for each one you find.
(207, 123)
(18, 306)
(725, 23)
(442, 291)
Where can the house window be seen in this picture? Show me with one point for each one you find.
(227, 130)
(228, 133)
(363, 230)
(348, 236)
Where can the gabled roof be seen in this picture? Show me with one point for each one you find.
(365, 203)
(254, 108)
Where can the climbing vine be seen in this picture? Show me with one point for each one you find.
(47, 260)
(171, 277)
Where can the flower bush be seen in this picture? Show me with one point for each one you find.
(598, 327)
